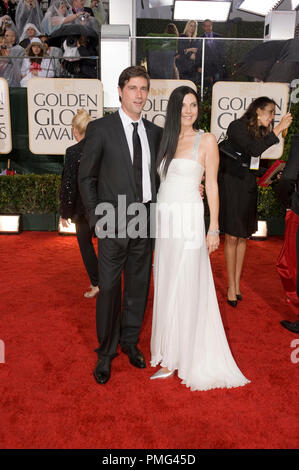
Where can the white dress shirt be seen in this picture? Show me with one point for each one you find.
(146, 154)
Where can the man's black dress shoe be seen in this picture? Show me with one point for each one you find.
(291, 326)
(102, 370)
(135, 355)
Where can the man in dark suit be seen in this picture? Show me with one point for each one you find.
(214, 55)
(119, 160)
(287, 190)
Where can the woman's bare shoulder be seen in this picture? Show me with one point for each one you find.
(208, 138)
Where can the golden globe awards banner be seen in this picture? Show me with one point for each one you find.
(5, 127)
(156, 104)
(52, 104)
(231, 99)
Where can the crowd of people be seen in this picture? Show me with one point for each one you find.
(74, 52)
(165, 168)
(21, 21)
(186, 55)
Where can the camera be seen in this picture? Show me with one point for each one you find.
(3, 46)
(84, 16)
(71, 41)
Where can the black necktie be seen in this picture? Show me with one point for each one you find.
(137, 162)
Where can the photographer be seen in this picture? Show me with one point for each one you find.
(11, 54)
(98, 10)
(28, 11)
(70, 67)
(84, 15)
(58, 14)
(54, 52)
(8, 8)
(6, 23)
(3, 53)
(77, 63)
(78, 8)
(88, 66)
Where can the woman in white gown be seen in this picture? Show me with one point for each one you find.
(187, 330)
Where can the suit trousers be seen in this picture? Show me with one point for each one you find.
(288, 258)
(118, 319)
(89, 257)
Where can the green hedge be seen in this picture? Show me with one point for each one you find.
(29, 194)
(39, 194)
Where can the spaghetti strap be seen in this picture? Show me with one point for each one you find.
(196, 144)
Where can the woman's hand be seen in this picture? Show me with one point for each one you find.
(284, 124)
(213, 240)
(65, 222)
(286, 121)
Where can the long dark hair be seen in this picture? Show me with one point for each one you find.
(252, 118)
(35, 58)
(172, 128)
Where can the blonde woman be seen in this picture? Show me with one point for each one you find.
(188, 52)
(71, 206)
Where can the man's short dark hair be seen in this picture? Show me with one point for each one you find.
(131, 72)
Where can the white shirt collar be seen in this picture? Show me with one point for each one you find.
(126, 120)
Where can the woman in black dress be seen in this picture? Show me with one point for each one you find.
(187, 60)
(71, 206)
(250, 135)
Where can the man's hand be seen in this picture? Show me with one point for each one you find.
(202, 189)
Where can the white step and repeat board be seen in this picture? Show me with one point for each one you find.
(156, 104)
(52, 104)
(5, 126)
(230, 100)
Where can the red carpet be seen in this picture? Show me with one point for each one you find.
(50, 400)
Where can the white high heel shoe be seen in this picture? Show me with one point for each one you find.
(161, 374)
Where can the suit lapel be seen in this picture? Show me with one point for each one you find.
(153, 157)
(151, 145)
(123, 146)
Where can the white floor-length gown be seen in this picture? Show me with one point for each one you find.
(187, 329)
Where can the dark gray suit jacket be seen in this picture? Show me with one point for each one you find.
(106, 168)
